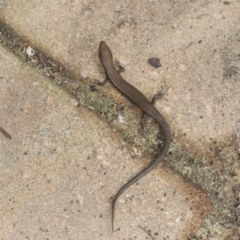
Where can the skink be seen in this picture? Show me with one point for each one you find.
(136, 96)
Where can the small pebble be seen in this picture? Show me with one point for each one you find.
(30, 52)
(154, 62)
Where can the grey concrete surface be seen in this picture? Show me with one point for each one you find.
(198, 45)
(196, 42)
(64, 164)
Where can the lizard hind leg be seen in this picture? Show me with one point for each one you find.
(158, 96)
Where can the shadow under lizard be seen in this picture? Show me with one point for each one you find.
(137, 97)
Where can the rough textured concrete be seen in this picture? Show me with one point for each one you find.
(197, 43)
(63, 164)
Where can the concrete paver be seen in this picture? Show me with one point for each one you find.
(63, 164)
(197, 43)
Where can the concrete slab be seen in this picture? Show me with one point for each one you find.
(63, 165)
(197, 43)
